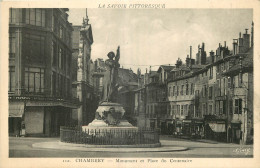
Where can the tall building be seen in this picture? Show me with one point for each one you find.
(39, 71)
(82, 68)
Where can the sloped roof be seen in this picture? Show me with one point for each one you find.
(125, 76)
(165, 67)
(247, 64)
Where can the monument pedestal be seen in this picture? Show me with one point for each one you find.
(109, 119)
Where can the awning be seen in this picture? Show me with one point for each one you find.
(16, 109)
(217, 127)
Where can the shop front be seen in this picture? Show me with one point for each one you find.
(197, 128)
(16, 116)
(38, 117)
(235, 131)
(186, 127)
(170, 126)
(216, 130)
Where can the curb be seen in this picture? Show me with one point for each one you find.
(112, 146)
(76, 147)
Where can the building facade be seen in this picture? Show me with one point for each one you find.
(40, 56)
(83, 68)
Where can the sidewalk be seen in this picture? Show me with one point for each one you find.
(197, 140)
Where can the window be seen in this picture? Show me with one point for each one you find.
(204, 92)
(210, 109)
(12, 15)
(54, 83)
(12, 45)
(60, 57)
(174, 110)
(187, 89)
(169, 110)
(204, 111)
(34, 80)
(177, 90)
(178, 109)
(182, 88)
(211, 72)
(229, 82)
(186, 110)
(35, 17)
(35, 48)
(220, 107)
(219, 87)
(191, 110)
(11, 82)
(210, 92)
(61, 32)
(54, 54)
(182, 110)
(238, 106)
(224, 87)
(173, 92)
(191, 89)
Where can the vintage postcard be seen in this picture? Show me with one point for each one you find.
(129, 83)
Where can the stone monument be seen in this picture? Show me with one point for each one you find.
(109, 115)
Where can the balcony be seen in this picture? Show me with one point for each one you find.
(46, 101)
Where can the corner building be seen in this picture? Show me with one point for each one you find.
(39, 71)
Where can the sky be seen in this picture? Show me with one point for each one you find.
(152, 37)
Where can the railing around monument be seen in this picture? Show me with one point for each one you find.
(108, 137)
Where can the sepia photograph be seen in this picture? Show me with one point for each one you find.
(122, 83)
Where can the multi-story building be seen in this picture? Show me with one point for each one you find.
(218, 103)
(185, 87)
(39, 71)
(83, 68)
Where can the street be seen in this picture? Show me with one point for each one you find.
(21, 147)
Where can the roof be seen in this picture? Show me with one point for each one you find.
(165, 67)
(125, 76)
(247, 64)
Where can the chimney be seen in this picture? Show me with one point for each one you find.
(211, 53)
(188, 61)
(246, 41)
(234, 46)
(190, 52)
(240, 44)
(252, 35)
(225, 44)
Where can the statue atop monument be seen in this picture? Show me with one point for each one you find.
(110, 84)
